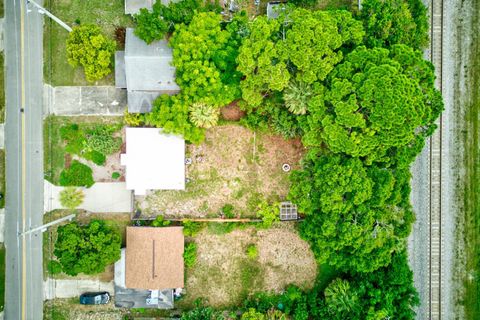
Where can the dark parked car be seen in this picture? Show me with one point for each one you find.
(95, 298)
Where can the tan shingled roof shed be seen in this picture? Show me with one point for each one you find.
(154, 258)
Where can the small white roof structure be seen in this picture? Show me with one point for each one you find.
(134, 6)
(154, 160)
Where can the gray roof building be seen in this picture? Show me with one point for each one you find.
(145, 70)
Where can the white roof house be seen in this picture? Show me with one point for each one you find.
(145, 70)
(153, 160)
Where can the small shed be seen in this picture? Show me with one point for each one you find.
(145, 70)
(288, 211)
(274, 8)
(154, 160)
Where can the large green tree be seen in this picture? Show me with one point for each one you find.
(304, 44)
(387, 293)
(204, 54)
(86, 248)
(154, 24)
(171, 113)
(378, 104)
(356, 216)
(395, 22)
(89, 48)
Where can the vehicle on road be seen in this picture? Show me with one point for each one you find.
(95, 298)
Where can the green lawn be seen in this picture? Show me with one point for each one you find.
(471, 187)
(54, 146)
(107, 14)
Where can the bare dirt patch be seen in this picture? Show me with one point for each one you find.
(233, 166)
(225, 275)
(232, 112)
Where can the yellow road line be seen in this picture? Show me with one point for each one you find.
(22, 63)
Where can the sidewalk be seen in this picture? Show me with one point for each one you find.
(62, 288)
(86, 101)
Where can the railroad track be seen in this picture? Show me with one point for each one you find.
(435, 307)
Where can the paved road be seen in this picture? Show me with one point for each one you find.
(24, 161)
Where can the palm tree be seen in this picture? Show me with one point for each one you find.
(340, 299)
(296, 96)
(71, 197)
(204, 115)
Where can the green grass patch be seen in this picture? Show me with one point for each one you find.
(106, 14)
(2, 8)
(471, 185)
(57, 150)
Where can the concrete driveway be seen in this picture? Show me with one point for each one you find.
(84, 100)
(102, 197)
(66, 288)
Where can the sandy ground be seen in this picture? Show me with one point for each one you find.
(453, 67)
(283, 259)
(234, 165)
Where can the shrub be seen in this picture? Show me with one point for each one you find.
(204, 115)
(269, 213)
(100, 139)
(150, 26)
(191, 228)
(190, 254)
(228, 211)
(78, 175)
(89, 48)
(171, 114)
(96, 157)
(115, 175)
(54, 267)
(71, 197)
(160, 222)
(87, 248)
(133, 119)
(252, 251)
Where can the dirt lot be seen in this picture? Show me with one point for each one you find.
(233, 166)
(225, 275)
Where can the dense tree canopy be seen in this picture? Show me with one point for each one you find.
(204, 54)
(154, 24)
(395, 22)
(378, 102)
(89, 48)
(306, 46)
(87, 248)
(387, 293)
(356, 216)
(171, 113)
